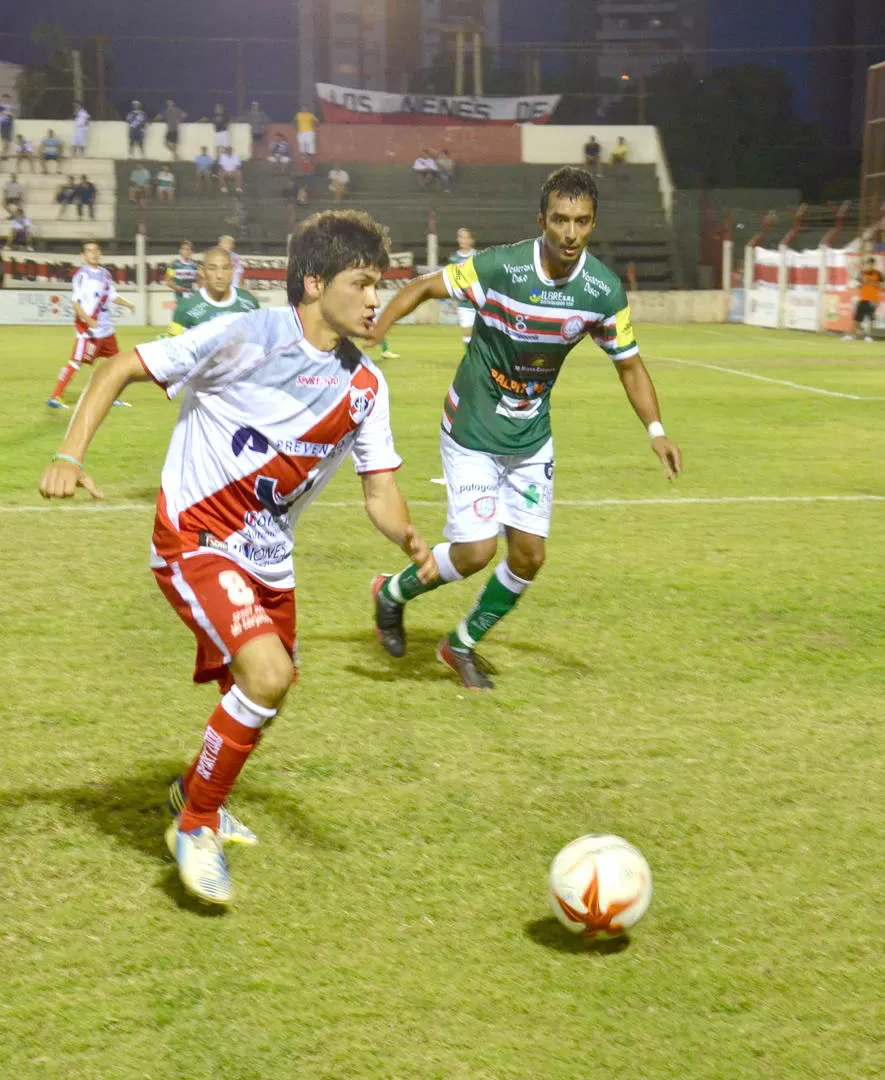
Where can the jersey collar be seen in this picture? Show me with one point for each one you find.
(221, 303)
(578, 267)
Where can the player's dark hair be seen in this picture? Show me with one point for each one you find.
(87, 242)
(569, 182)
(334, 240)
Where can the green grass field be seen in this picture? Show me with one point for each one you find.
(702, 676)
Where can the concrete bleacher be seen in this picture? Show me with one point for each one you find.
(41, 207)
(498, 202)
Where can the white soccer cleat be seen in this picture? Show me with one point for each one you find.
(201, 863)
(868, 338)
(848, 337)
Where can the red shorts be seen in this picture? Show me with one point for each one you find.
(225, 607)
(87, 349)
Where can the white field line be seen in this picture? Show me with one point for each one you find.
(671, 500)
(762, 378)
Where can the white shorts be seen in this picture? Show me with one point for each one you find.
(486, 491)
(307, 142)
(466, 317)
(79, 138)
(222, 139)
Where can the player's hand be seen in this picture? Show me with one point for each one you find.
(92, 323)
(669, 455)
(418, 550)
(62, 478)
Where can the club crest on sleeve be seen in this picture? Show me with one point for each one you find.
(362, 401)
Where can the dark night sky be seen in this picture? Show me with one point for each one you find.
(195, 70)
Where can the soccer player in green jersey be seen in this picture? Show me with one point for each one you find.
(466, 310)
(216, 296)
(535, 301)
(181, 273)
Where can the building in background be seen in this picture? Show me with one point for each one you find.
(638, 37)
(839, 78)
(380, 44)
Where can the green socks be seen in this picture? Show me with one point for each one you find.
(495, 601)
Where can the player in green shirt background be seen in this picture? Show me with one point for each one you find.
(535, 301)
(181, 273)
(215, 297)
(466, 310)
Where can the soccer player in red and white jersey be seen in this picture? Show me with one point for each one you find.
(92, 293)
(227, 242)
(272, 402)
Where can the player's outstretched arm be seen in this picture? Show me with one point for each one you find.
(62, 478)
(640, 391)
(428, 287)
(389, 513)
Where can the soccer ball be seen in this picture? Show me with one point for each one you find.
(600, 886)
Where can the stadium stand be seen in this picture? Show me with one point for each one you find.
(498, 202)
(42, 209)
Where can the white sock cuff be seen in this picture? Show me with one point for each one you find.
(447, 569)
(244, 711)
(509, 580)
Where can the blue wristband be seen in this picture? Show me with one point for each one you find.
(67, 457)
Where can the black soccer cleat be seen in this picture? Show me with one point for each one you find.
(388, 619)
(471, 669)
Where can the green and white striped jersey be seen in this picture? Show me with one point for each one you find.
(526, 325)
(458, 258)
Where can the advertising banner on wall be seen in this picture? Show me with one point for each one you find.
(801, 301)
(762, 303)
(346, 105)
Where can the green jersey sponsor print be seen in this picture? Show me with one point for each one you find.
(199, 308)
(183, 272)
(526, 325)
(458, 259)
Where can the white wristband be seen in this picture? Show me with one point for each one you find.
(655, 429)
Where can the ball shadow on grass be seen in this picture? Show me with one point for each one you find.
(553, 935)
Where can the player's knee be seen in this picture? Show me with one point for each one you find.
(471, 558)
(266, 675)
(526, 563)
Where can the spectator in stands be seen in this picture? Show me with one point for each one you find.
(278, 151)
(230, 170)
(7, 125)
(86, 194)
(66, 195)
(21, 231)
(445, 169)
(620, 153)
(81, 130)
(136, 119)
(24, 151)
(424, 167)
(304, 179)
(51, 148)
(13, 194)
(258, 122)
(172, 116)
(204, 163)
(306, 127)
(140, 184)
(221, 124)
(592, 154)
(339, 182)
(238, 217)
(164, 182)
(290, 198)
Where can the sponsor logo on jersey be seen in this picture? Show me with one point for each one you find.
(591, 279)
(362, 400)
(316, 380)
(548, 296)
(517, 386)
(519, 275)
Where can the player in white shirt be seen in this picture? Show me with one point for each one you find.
(81, 130)
(227, 242)
(92, 293)
(272, 403)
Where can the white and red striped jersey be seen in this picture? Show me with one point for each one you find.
(94, 290)
(266, 420)
(239, 269)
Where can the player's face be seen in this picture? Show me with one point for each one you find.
(567, 226)
(92, 254)
(218, 274)
(349, 300)
(185, 251)
(465, 239)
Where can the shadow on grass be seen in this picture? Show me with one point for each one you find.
(553, 935)
(132, 811)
